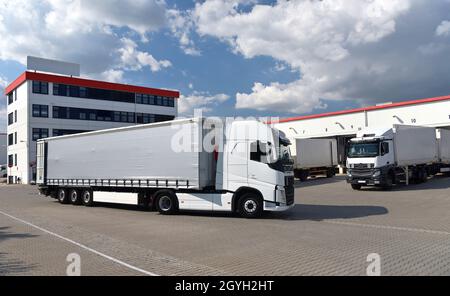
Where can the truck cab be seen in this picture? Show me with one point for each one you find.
(258, 157)
(370, 159)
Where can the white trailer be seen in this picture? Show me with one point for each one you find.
(386, 156)
(314, 157)
(246, 167)
(443, 137)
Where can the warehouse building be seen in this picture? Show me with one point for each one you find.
(343, 125)
(50, 99)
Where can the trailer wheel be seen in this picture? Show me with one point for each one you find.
(303, 176)
(87, 198)
(63, 196)
(250, 205)
(166, 202)
(356, 187)
(330, 173)
(75, 197)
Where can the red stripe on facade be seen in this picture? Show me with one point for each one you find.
(89, 83)
(16, 83)
(371, 108)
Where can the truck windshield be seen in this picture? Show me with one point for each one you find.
(366, 149)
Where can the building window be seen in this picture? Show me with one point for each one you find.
(92, 93)
(39, 133)
(106, 115)
(62, 132)
(10, 139)
(40, 87)
(10, 118)
(15, 138)
(15, 159)
(40, 111)
(10, 98)
(15, 116)
(155, 100)
(10, 160)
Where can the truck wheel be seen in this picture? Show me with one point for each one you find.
(330, 173)
(166, 202)
(63, 196)
(250, 206)
(87, 198)
(356, 187)
(304, 176)
(75, 197)
(424, 175)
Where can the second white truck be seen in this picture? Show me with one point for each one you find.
(398, 154)
(171, 166)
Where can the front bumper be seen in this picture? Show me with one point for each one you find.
(276, 207)
(367, 178)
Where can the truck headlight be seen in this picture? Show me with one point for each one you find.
(376, 174)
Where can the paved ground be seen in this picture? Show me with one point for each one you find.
(330, 231)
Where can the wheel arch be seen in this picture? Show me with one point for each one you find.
(240, 192)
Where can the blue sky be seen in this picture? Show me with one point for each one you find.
(242, 57)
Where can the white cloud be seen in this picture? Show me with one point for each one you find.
(443, 29)
(312, 37)
(81, 31)
(182, 25)
(342, 49)
(133, 59)
(199, 100)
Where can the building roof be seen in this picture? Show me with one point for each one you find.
(77, 81)
(365, 109)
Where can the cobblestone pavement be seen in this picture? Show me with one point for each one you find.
(330, 231)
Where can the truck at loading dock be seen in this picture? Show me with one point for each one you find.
(399, 154)
(314, 157)
(165, 165)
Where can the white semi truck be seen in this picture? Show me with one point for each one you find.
(399, 154)
(169, 165)
(314, 157)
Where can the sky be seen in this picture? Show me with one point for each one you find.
(241, 57)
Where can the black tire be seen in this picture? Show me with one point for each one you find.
(166, 202)
(75, 197)
(250, 205)
(87, 198)
(303, 176)
(424, 175)
(330, 173)
(356, 187)
(63, 196)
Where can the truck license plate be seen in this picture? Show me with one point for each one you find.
(363, 182)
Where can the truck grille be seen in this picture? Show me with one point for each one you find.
(362, 172)
(289, 189)
(363, 165)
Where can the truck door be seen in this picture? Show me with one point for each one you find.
(237, 164)
(259, 173)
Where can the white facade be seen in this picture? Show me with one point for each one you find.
(342, 125)
(22, 152)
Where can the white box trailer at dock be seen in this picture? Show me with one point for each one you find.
(314, 157)
(246, 168)
(443, 138)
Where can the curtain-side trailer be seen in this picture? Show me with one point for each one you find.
(248, 170)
